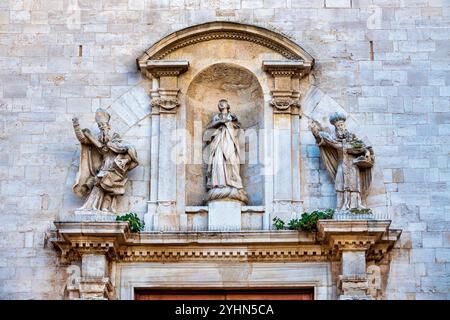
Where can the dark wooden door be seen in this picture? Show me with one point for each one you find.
(225, 294)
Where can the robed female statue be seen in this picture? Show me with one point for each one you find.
(224, 181)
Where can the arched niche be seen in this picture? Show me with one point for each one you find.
(260, 72)
(244, 93)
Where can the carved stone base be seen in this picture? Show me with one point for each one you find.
(356, 297)
(224, 215)
(92, 215)
(91, 288)
(96, 288)
(227, 193)
(354, 287)
(84, 212)
(347, 214)
(167, 221)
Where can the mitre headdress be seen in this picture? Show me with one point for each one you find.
(337, 116)
(102, 116)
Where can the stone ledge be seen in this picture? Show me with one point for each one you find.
(74, 239)
(158, 67)
(246, 209)
(372, 236)
(295, 66)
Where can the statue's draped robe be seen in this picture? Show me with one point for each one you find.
(105, 168)
(340, 165)
(224, 161)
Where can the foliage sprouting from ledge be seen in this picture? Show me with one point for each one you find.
(136, 224)
(308, 221)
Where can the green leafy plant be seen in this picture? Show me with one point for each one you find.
(278, 223)
(136, 224)
(308, 221)
(357, 144)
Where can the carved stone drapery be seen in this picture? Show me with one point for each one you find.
(284, 103)
(105, 161)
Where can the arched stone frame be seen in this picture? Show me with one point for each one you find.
(225, 30)
(173, 62)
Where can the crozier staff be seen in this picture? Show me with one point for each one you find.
(105, 161)
(347, 159)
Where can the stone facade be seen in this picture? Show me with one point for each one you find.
(384, 63)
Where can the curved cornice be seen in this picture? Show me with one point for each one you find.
(225, 30)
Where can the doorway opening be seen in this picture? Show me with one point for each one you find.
(225, 294)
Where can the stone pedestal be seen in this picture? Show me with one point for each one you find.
(354, 287)
(93, 215)
(353, 281)
(224, 215)
(95, 288)
(354, 242)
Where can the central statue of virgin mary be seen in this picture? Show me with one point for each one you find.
(224, 179)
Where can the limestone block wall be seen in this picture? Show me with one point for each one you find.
(386, 63)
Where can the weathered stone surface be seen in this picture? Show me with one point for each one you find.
(104, 164)
(347, 159)
(94, 265)
(400, 99)
(224, 215)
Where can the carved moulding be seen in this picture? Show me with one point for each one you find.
(87, 288)
(163, 68)
(73, 239)
(166, 104)
(284, 103)
(286, 83)
(354, 243)
(225, 30)
(76, 240)
(165, 90)
(373, 237)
